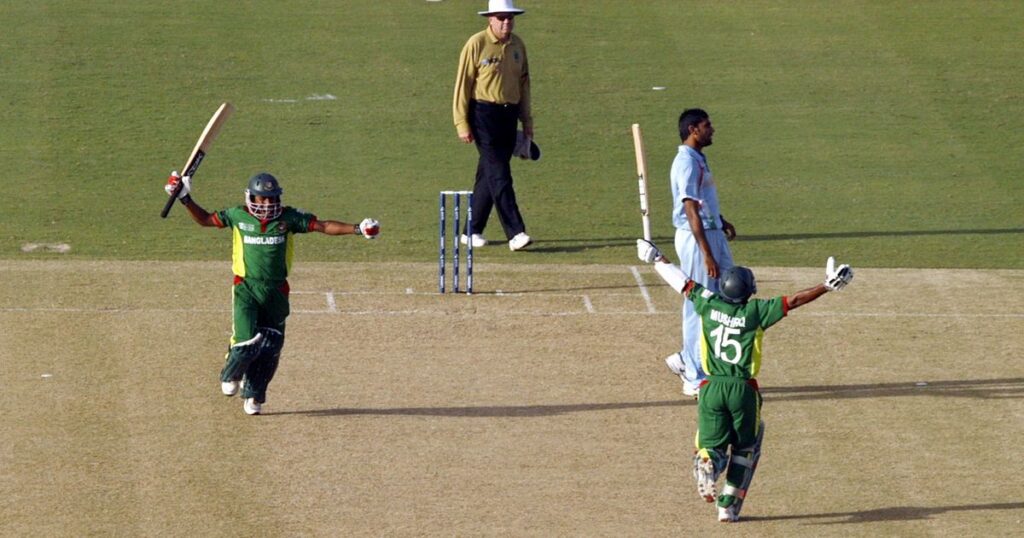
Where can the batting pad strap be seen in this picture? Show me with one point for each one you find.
(741, 460)
(734, 491)
(672, 275)
(250, 342)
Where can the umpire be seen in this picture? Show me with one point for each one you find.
(492, 94)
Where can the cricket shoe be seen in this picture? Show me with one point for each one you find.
(704, 473)
(229, 388)
(251, 406)
(727, 514)
(519, 242)
(675, 365)
(478, 240)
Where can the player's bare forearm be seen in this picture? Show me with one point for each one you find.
(710, 263)
(198, 214)
(334, 227)
(803, 297)
(697, 227)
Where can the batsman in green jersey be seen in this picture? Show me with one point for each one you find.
(262, 233)
(729, 425)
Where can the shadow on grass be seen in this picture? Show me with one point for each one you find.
(582, 244)
(981, 389)
(488, 411)
(894, 233)
(895, 513)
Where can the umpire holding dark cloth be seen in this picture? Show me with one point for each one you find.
(492, 95)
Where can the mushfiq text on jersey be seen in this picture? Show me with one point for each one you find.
(727, 320)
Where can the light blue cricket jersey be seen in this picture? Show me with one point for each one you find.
(691, 178)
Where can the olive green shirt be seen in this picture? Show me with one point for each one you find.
(494, 72)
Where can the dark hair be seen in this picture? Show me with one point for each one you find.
(690, 118)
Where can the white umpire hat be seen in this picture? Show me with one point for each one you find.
(501, 6)
(526, 148)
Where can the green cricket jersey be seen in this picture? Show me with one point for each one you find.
(262, 250)
(732, 333)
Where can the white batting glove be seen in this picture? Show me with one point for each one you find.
(369, 228)
(174, 180)
(646, 251)
(836, 278)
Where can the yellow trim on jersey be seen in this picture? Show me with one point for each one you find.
(289, 251)
(755, 359)
(705, 356)
(237, 253)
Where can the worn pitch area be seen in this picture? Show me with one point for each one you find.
(544, 408)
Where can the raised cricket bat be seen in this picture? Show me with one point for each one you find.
(641, 175)
(196, 158)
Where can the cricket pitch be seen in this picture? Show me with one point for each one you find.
(538, 406)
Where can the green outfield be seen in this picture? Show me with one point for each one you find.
(883, 132)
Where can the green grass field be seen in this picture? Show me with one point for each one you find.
(878, 131)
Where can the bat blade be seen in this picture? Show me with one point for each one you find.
(641, 174)
(199, 152)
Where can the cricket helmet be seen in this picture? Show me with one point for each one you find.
(265, 185)
(737, 284)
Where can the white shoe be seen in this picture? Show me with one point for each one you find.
(704, 473)
(675, 365)
(519, 242)
(478, 240)
(229, 388)
(251, 406)
(728, 514)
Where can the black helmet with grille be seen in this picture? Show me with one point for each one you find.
(737, 284)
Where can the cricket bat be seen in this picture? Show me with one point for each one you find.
(641, 175)
(196, 158)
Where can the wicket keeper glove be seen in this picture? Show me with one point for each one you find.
(836, 278)
(174, 180)
(369, 228)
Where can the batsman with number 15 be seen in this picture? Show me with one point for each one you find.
(729, 425)
(262, 233)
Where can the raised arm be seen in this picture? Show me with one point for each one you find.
(836, 278)
(671, 274)
(368, 228)
(198, 214)
(803, 297)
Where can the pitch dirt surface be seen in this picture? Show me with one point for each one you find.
(893, 408)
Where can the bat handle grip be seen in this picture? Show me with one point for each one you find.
(170, 202)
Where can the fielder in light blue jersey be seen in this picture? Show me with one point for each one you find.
(702, 235)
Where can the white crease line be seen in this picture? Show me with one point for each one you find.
(643, 290)
(483, 295)
(529, 313)
(589, 305)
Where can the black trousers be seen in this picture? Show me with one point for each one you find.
(494, 130)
